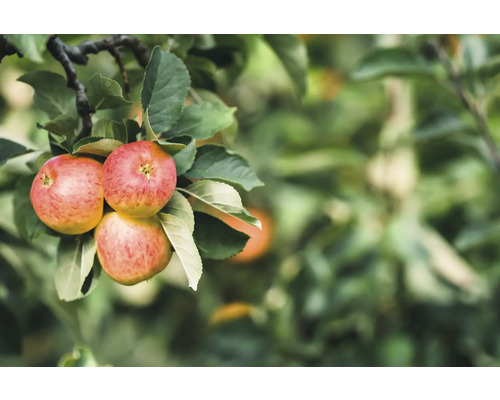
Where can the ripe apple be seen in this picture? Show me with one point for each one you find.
(132, 249)
(66, 194)
(138, 179)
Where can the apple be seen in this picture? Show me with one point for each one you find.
(131, 250)
(67, 195)
(138, 179)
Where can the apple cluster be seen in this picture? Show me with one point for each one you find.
(136, 180)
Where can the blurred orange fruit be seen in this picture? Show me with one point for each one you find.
(230, 312)
(260, 239)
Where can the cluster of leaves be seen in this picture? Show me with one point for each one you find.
(207, 173)
(383, 190)
(391, 257)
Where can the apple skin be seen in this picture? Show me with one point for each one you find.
(67, 195)
(138, 179)
(132, 250)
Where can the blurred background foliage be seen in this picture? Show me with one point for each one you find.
(379, 209)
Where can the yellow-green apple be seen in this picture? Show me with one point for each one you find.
(130, 249)
(66, 194)
(138, 179)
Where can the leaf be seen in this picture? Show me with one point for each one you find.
(180, 44)
(178, 232)
(222, 196)
(9, 149)
(166, 83)
(293, 54)
(81, 356)
(52, 94)
(202, 121)
(474, 237)
(171, 148)
(132, 129)
(438, 125)
(150, 134)
(179, 207)
(75, 259)
(184, 159)
(27, 222)
(32, 46)
(38, 160)
(490, 68)
(215, 239)
(96, 145)
(62, 125)
(202, 72)
(383, 62)
(105, 93)
(215, 162)
(107, 128)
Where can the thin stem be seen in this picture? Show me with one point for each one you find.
(471, 104)
(196, 97)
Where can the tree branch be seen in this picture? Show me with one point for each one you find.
(6, 49)
(58, 50)
(472, 105)
(67, 55)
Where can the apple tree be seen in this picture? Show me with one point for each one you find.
(94, 95)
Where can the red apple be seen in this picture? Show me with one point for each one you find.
(132, 249)
(138, 179)
(66, 194)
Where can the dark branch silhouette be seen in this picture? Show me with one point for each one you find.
(67, 55)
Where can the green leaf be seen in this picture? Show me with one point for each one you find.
(184, 159)
(383, 62)
(52, 94)
(180, 44)
(179, 207)
(9, 149)
(166, 83)
(169, 147)
(132, 128)
(38, 160)
(105, 93)
(32, 46)
(62, 125)
(179, 234)
(202, 121)
(80, 357)
(96, 145)
(490, 68)
(221, 196)
(75, 259)
(474, 237)
(438, 125)
(293, 54)
(215, 162)
(215, 239)
(202, 72)
(107, 128)
(150, 134)
(28, 224)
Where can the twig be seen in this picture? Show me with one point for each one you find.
(67, 55)
(470, 104)
(58, 50)
(6, 49)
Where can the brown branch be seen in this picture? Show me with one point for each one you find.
(67, 55)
